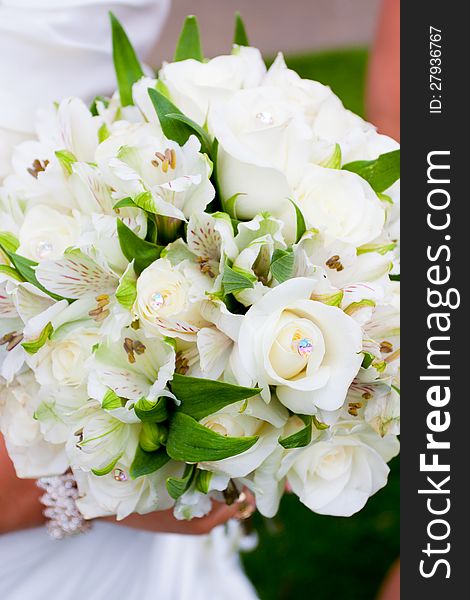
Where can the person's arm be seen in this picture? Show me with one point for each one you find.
(19, 498)
(383, 88)
(20, 508)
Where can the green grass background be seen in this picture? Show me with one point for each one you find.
(306, 556)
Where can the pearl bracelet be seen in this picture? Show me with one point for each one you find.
(64, 518)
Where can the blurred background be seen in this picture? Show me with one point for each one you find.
(301, 554)
(293, 26)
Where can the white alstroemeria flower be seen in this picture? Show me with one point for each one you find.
(32, 456)
(194, 504)
(216, 342)
(46, 233)
(11, 330)
(141, 159)
(92, 194)
(256, 240)
(7, 304)
(70, 126)
(35, 310)
(194, 86)
(340, 204)
(38, 177)
(134, 367)
(264, 144)
(76, 275)
(309, 350)
(376, 402)
(256, 418)
(169, 298)
(57, 406)
(101, 439)
(382, 412)
(211, 239)
(93, 284)
(336, 475)
(268, 484)
(116, 493)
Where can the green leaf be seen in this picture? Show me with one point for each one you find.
(145, 463)
(384, 198)
(394, 277)
(189, 42)
(126, 292)
(94, 103)
(150, 411)
(239, 37)
(10, 272)
(34, 346)
(367, 360)
(202, 397)
(111, 400)
(334, 162)
(107, 469)
(175, 125)
(173, 130)
(355, 306)
(234, 280)
(177, 486)
(134, 248)
(103, 133)
(203, 481)
(145, 201)
(318, 424)
(381, 173)
(191, 442)
(125, 203)
(126, 63)
(66, 160)
(194, 128)
(9, 241)
(380, 248)
(301, 227)
(25, 267)
(282, 264)
(301, 438)
(230, 205)
(152, 436)
(333, 299)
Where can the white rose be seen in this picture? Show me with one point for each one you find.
(194, 86)
(63, 361)
(340, 204)
(30, 453)
(337, 476)
(168, 300)
(310, 351)
(46, 233)
(305, 93)
(264, 142)
(256, 420)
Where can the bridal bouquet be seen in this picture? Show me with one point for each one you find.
(198, 290)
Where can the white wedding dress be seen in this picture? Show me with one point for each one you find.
(50, 49)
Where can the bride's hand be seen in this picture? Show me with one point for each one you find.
(165, 522)
(20, 508)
